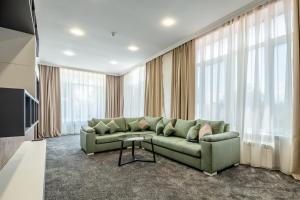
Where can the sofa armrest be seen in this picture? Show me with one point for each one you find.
(88, 139)
(219, 154)
(88, 129)
(220, 136)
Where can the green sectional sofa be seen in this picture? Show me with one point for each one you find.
(211, 154)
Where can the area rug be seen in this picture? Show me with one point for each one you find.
(71, 175)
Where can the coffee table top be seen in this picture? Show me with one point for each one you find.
(135, 137)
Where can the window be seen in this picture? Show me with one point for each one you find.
(244, 74)
(82, 98)
(134, 92)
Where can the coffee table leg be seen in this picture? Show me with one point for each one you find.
(120, 156)
(153, 151)
(132, 150)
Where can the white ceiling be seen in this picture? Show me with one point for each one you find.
(135, 21)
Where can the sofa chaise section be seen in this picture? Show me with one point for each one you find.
(219, 152)
(169, 151)
(211, 155)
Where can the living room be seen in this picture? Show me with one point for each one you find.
(149, 99)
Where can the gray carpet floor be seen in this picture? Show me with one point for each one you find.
(70, 174)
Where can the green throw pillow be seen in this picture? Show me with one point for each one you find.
(160, 128)
(120, 121)
(152, 121)
(96, 121)
(134, 126)
(216, 126)
(167, 120)
(183, 126)
(193, 132)
(113, 126)
(226, 127)
(132, 119)
(101, 128)
(169, 130)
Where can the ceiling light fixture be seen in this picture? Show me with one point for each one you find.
(168, 22)
(113, 62)
(133, 48)
(68, 53)
(77, 31)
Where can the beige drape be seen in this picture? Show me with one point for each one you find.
(296, 93)
(114, 96)
(183, 81)
(50, 107)
(154, 88)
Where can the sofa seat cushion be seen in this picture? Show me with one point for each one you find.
(178, 144)
(114, 137)
(101, 139)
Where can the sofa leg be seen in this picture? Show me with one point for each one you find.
(236, 164)
(90, 154)
(210, 174)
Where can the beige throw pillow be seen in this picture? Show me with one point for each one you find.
(143, 124)
(204, 130)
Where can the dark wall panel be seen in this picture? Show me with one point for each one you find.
(16, 15)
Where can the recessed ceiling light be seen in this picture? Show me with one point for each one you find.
(133, 48)
(77, 31)
(68, 53)
(113, 62)
(168, 22)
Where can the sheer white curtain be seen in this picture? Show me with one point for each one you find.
(82, 98)
(134, 92)
(244, 76)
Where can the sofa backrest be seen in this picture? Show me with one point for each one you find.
(181, 126)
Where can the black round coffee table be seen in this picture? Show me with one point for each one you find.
(135, 138)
